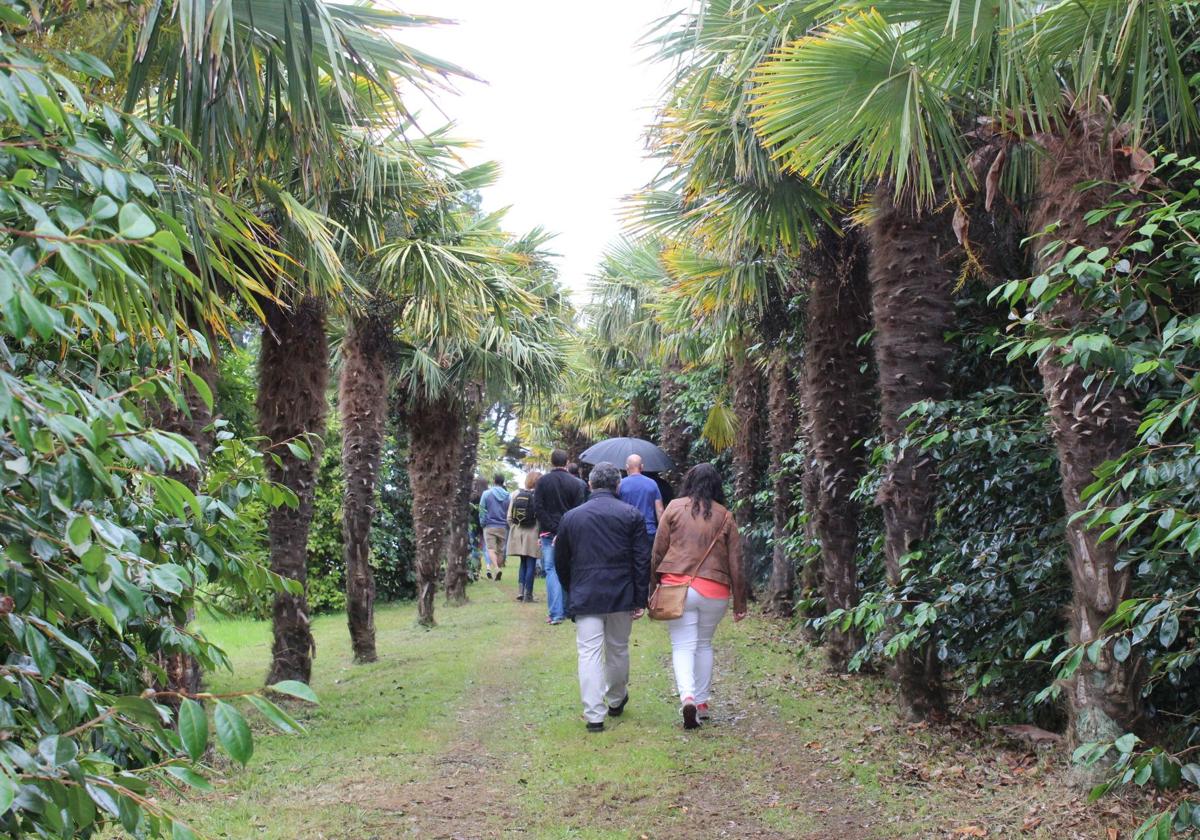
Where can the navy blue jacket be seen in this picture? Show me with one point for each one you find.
(602, 556)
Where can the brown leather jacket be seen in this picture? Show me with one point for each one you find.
(683, 538)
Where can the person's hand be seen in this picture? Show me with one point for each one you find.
(636, 614)
(738, 616)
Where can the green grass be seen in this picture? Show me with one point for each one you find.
(473, 729)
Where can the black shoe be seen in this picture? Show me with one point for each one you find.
(520, 597)
(615, 711)
(595, 727)
(498, 574)
(690, 719)
(489, 574)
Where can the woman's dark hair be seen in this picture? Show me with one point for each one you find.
(702, 485)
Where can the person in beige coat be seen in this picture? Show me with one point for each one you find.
(698, 545)
(523, 538)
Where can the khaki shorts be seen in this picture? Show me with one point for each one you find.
(496, 540)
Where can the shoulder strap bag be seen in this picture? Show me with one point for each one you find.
(666, 602)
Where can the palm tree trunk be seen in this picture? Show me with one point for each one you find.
(782, 416)
(838, 389)
(362, 398)
(672, 425)
(635, 424)
(1092, 421)
(459, 551)
(193, 422)
(912, 279)
(747, 383)
(435, 430)
(812, 575)
(293, 371)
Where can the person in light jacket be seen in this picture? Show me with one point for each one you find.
(523, 538)
(698, 544)
(493, 516)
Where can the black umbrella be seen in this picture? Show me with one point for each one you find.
(616, 450)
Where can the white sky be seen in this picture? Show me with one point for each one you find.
(564, 103)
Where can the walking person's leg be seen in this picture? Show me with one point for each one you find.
(521, 580)
(683, 654)
(589, 642)
(487, 552)
(617, 627)
(555, 608)
(710, 611)
(528, 565)
(496, 539)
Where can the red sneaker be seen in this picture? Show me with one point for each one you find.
(702, 711)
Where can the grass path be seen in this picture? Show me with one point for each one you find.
(473, 730)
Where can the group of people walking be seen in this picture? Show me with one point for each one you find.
(609, 547)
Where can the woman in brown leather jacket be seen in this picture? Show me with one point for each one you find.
(698, 544)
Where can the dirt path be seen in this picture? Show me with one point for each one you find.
(473, 731)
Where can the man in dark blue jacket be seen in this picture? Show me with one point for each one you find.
(603, 557)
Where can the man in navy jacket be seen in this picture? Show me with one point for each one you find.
(602, 553)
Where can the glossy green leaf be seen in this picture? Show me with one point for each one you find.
(193, 728)
(232, 732)
(294, 688)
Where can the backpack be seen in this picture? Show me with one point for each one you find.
(522, 509)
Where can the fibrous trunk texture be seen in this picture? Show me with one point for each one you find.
(459, 551)
(912, 278)
(672, 425)
(783, 421)
(1092, 421)
(293, 372)
(838, 394)
(362, 399)
(748, 389)
(435, 431)
(639, 408)
(194, 422)
(575, 443)
(812, 585)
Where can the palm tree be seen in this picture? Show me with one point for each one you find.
(266, 94)
(783, 425)
(627, 334)
(399, 177)
(839, 390)
(1087, 84)
(482, 310)
(914, 255)
(727, 193)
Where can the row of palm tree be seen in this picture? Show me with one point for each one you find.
(866, 159)
(353, 220)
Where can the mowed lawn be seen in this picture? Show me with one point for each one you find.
(473, 730)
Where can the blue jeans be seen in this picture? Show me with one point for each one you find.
(525, 575)
(554, 592)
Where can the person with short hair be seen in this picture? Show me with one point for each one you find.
(573, 469)
(698, 545)
(493, 516)
(603, 562)
(523, 539)
(556, 493)
(642, 492)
